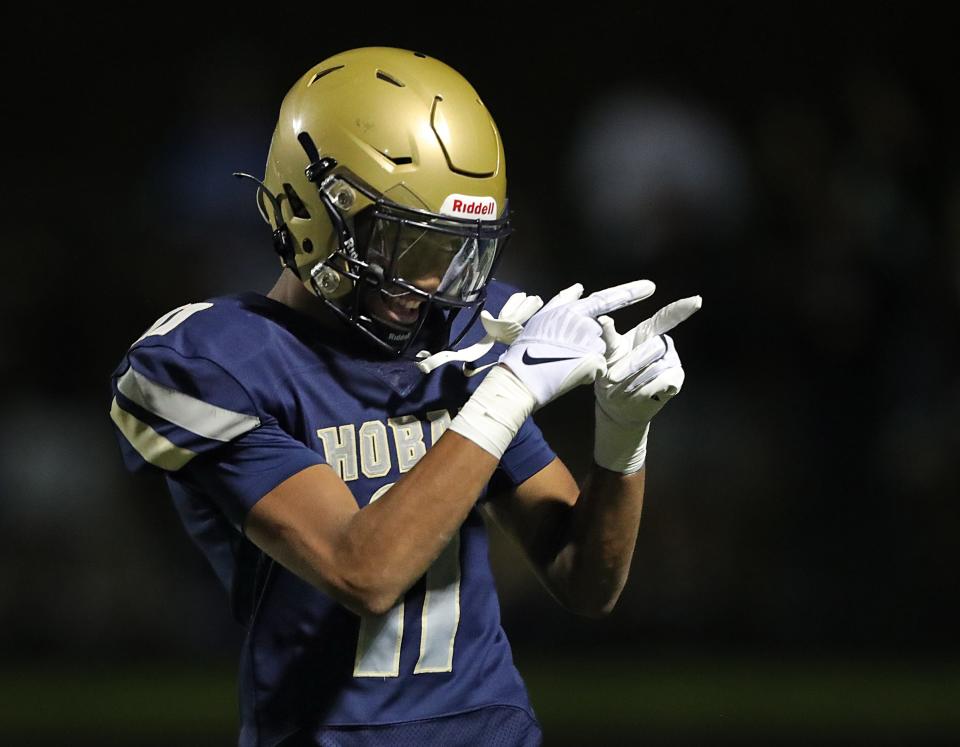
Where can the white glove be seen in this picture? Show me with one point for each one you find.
(643, 374)
(505, 327)
(561, 347)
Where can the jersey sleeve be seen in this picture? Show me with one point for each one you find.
(526, 455)
(191, 419)
(241, 472)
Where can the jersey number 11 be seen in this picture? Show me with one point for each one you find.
(378, 646)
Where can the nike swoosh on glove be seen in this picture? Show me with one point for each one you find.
(562, 346)
(643, 373)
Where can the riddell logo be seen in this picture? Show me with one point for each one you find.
(472, 208)
(469, 206)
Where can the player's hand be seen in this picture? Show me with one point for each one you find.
(508, 324)
(562, 345)
(505, 327)
(643, 373)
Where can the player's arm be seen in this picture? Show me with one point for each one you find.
(368, 558)
(189, 417)
(580, 540)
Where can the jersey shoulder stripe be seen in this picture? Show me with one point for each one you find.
(180, 390)
(190, 413)
(152, 447)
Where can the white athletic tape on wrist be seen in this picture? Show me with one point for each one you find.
(494, 413)
(617, 447)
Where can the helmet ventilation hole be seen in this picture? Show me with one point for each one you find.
(307, 246)
(296, 204)
(396, 160)
(319, 75)
(309, 147)
(389, 79)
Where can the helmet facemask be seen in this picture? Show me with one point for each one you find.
(394, 255)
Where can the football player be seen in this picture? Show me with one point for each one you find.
(330, 446)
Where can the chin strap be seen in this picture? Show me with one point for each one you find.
(504, 328)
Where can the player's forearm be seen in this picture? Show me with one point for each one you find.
(391, 542)
(367, 558)
(643, 373)
(404, 531)
(599, 534)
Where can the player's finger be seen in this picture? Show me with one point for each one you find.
(530, 306)
(565, 296)
(501, 330)
(644, 362)
(513, 303)
(617, 297)
(608, 333)
(665, 386)
(666, 319)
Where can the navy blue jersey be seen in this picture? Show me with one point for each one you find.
(230, 397)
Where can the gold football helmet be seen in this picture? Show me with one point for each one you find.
(385, 186)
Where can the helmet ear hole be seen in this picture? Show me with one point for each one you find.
(296, 204)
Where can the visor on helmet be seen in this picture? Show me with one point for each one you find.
(445, 260)
(449, 260)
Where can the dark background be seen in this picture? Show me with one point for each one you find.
(795, 577)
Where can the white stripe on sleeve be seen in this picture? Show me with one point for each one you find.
(152, 446)
(183, 410)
